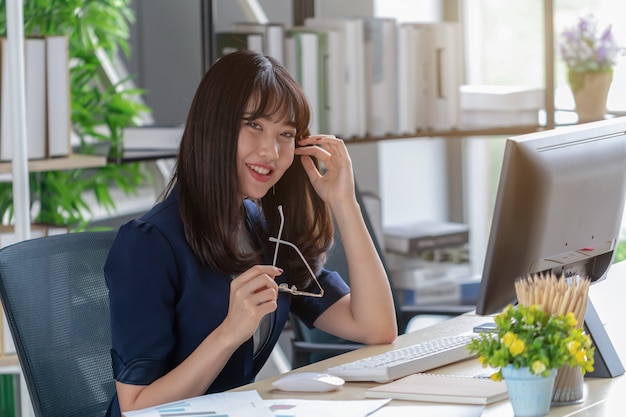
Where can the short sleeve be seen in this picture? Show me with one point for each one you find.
(308, 309)
(141, 275)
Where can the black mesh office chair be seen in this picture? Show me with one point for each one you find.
(56, 302)
(311, 345)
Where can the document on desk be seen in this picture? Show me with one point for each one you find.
(430, 410)
(442, 388)
(317, 408)
(225, 404)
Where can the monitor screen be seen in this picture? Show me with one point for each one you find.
(559, 207)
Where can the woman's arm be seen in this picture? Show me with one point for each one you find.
(367, 314)
(252, 296)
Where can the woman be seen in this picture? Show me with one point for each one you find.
(194, 283)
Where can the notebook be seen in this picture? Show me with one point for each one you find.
(442, 389)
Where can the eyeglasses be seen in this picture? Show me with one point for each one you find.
(284, 287)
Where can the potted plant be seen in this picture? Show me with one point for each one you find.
(530, 344)
(99, 110)
(590, 54)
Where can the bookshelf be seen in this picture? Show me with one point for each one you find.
(303, 9)
(73, 161)
(457, 133)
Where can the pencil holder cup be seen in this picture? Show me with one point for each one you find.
(568, 386)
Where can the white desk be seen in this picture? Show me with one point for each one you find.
(603, 397)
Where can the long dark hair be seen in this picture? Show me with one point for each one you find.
(209, 198)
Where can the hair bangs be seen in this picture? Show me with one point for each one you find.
(278, 97)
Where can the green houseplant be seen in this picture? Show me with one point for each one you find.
(99, 110)
(529, 337)
(529, 346)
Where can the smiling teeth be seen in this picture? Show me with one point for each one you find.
(260, 170)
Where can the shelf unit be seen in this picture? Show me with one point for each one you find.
(73, 161)
(306, 8)
(456, 133)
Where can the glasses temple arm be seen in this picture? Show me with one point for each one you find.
(280, 233)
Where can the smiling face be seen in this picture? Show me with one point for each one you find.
(265, 150)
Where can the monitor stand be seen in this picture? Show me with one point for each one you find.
(606, 361)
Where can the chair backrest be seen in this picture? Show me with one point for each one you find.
(56, 302)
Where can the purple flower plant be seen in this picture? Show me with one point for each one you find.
(585, 49)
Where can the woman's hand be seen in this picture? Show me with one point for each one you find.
(252, 295)
(336, 184)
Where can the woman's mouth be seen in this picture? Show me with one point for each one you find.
(261, 173)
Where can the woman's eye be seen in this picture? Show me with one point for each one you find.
(289, 135)
(253, 125)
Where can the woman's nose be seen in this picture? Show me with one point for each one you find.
(269, 147)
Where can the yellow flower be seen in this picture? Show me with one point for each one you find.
(538, 367)
(581, 355)
(517, 347)
(571, 319)
(573, 347)
(508, 339)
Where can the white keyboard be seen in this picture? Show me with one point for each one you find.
(401, 362)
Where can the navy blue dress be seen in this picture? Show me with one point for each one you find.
(164, 302)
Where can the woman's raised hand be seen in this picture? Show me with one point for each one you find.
(336, 184)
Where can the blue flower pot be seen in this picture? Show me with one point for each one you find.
(530, 394)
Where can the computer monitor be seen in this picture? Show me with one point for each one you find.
(559, 209)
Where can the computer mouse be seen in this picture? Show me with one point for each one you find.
(308, 382)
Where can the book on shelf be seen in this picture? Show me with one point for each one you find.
(475, 119)
(228, 42)
(58, 96)
(332, 98)
(500, 105)
(411, 83)
(35, 79)
(442, 388)
(501, 97)
(47, 98)
(440, 46)
(6, 140)
(273, 37)
(380, 75)
(461, 292)
(152, 137)
(415, 238)
(352, 33)
(428, 273)
(306, 67)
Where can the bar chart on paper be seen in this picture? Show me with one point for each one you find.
(226, 404)
(184, 408)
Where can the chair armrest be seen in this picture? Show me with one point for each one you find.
(336, 348)
(411, 310)
(301, 350)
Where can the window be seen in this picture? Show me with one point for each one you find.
(504, 44)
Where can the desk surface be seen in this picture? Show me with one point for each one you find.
(603, 397)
